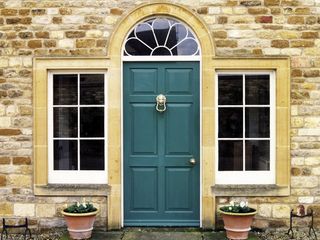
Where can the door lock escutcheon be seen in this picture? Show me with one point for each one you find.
(161, 103)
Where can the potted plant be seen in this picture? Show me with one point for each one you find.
(237, 218)
(80, 219)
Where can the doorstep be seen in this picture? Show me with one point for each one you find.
(169, 234)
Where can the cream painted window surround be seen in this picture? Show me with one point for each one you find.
(281, 68)
(42, 66)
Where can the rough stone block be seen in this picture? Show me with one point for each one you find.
(5, 122)
(23, 181)
(264, 19)
(271, 51)
(295, 20)
(9, 132)
(302, 43)
(94, 33)
(304, 182)
(94, 19)
(5, 160)
(34, 44)
(41, 20)
(85, 43)
(38, 11)
(226, 43)
(42, 34)
(6, 209)
(75, 34)
(45, 210)
(280, 43)
(15, 62)
(264, 210)
(21, 160)
(52, 11)
(3, 180)
(249, 3)
(65, 11)
(309, 132)
(24, 209)
(291, 51)
(281, 211)
(272, 2)
(9, 12)
(24, 12)
(57, 20)
(57, 34)
(306, 200)
(219, 34)
(66, 43)
(4, 62)
(257, 11)
(116, 11)
(72, 19)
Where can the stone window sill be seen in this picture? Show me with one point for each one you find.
(250, 190)
(72, 190)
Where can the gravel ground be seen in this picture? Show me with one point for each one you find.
(280, 234)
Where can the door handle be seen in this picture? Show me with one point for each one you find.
(192, 161)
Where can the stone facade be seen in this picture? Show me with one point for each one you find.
(244, 28)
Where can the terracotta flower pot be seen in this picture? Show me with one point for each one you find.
(237, 225)
(80, 225)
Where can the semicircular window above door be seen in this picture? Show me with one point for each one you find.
(161, 37)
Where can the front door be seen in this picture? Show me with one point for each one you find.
(161, 149)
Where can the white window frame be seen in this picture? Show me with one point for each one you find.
(248, 177)
(76, 176)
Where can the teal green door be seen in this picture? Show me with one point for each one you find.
(161, 185)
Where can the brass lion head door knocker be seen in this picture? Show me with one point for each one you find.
(161, 103)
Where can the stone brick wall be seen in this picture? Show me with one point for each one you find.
(247, 28)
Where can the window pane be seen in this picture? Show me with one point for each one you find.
(258, 155)
(230, 90)
(92, 122)
(186, 47)
(145, 34)
(230, 156)
(65, 155)
(257, 122)
(65, 89)
(161, 29)
(230, 122)
(177, 33)
(65, 121)
(258, 89)
(92, 154)
(91, 89)
(136, 47)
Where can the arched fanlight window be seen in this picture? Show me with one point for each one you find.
(161, 37)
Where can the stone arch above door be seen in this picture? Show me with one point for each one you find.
(161, 9)
(117, 39)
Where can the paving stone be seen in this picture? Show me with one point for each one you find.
(162, 235)
(107, 235)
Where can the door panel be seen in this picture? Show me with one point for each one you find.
(144, 81)
(178, 194)
(179, 81)
(149, 177)
(178, 121)
(161, 187)
(144, 133)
